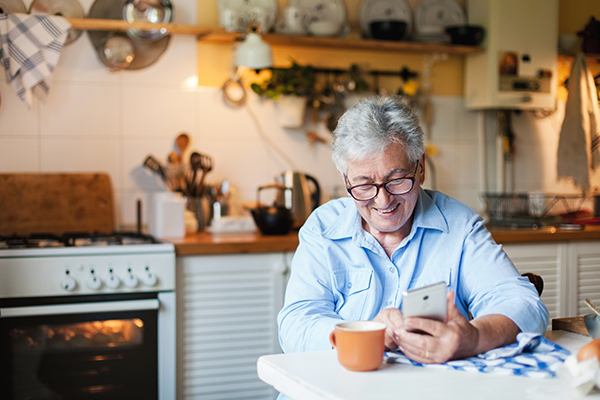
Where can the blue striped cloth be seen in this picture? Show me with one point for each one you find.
(533, 355)
(31, 46)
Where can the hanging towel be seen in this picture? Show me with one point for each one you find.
(579, 143)
(31, 46)
(533, 355)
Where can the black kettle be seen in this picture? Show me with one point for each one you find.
(275, 219)
(304, 199)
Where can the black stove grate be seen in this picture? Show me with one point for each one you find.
(75, 239)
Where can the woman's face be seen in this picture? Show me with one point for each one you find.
(386, 213)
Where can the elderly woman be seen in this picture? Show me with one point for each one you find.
(358, 254)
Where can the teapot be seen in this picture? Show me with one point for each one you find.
(275, 219)
(302, 200)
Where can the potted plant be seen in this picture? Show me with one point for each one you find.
(291, 88)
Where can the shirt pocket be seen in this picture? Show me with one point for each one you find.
(438, 276)
(353, 288)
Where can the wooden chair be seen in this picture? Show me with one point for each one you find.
(537, 281)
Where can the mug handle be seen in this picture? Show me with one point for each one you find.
(332, 339)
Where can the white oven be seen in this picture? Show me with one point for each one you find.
(94, 320)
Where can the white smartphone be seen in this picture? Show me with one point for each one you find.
(426, 302)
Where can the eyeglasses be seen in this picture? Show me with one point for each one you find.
(394, 187)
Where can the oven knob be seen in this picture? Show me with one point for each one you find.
(93, 282)
(68, 283)
(112, 281)
(130, 280)
(148, 278)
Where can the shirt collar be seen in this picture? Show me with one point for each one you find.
(427, 216)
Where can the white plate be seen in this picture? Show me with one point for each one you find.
(383, 10)
(433, 16)
(323, 10)
(245, 10)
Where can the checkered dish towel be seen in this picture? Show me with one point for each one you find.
(533, 355)
(31, 46)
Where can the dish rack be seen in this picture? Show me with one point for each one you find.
(529, 210)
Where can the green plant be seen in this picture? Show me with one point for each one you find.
(297, 80)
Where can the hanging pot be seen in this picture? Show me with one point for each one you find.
(291, 110)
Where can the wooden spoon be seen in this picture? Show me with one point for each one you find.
(182, 142)
(592, 306)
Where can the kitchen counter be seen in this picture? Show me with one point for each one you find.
(206, 243)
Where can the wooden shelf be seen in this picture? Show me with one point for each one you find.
(218, 35)
(346, 43)
(120, 25)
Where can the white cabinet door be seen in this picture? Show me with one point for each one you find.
(227, 309)
(549, 260)
(585, 276)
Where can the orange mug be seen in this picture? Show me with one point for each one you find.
(359, 344)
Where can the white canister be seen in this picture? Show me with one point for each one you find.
(167, 215)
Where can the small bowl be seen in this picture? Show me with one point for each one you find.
(592, 324)
(466, 35)
(325, 28)
(388, 29)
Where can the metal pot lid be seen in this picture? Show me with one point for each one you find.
(63, 8)
(155, 11)
(118, 52)
(146, 52)
(12, 6)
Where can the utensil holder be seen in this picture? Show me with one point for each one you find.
(200, 206)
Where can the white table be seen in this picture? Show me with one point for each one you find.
(319, 376)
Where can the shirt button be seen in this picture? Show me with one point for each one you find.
(389, 302)
(349, 285)
(392, 270)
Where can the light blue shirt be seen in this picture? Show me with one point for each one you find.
(340, 272)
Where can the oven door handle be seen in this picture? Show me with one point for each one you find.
(60, 309)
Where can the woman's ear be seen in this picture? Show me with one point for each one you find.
(422, 169)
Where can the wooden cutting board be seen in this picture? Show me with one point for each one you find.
(571, 324)
(56, 203)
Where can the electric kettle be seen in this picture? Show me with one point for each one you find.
(302, 199)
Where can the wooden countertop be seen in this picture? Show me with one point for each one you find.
(549, 234)
(205, 243)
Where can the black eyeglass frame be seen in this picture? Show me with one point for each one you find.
(384, 185)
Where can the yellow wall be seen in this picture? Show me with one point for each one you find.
(214, 60)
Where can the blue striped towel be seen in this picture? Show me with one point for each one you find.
(31, 46)
(533, 355)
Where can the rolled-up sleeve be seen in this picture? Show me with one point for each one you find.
(490, 284)
(308, 315)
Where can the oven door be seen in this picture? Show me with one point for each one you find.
(98, 347)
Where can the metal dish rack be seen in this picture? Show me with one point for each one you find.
(529, 210)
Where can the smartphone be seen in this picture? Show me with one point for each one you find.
(426, 302)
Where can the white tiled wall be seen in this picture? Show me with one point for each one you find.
(96, 120)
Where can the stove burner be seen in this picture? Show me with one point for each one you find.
(31, 241)
(75, 239)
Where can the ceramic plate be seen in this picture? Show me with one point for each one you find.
(383, 10)
(65, 8)
(323, 10)
(246, 10)
(433, 16)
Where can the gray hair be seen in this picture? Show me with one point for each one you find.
(369, 127)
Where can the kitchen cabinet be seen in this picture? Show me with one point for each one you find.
(571, 273)
(227, 309)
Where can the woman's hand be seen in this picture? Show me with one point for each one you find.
(457, 338)
(392, 318)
